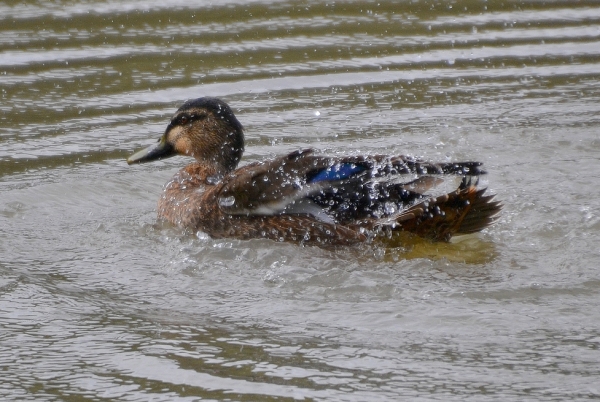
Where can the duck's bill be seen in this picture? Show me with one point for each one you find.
(161, 150)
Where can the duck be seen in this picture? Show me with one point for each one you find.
(308, 197)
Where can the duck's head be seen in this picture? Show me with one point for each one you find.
(204, 128)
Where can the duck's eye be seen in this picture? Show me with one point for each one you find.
(183, 120)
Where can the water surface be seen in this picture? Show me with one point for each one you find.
(99, 302)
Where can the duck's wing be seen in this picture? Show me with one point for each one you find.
(268, 188)
(407, 164)
(333, 188)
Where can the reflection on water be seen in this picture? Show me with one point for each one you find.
(467, 249)
(97, 301)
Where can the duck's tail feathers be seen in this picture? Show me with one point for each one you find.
(466, 210)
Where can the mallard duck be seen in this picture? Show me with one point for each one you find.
(304, 196)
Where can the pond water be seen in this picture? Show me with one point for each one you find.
(100, 302)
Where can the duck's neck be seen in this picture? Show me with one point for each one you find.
(185, 192)
(195, 175)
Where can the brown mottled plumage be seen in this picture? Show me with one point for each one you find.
(305, 197)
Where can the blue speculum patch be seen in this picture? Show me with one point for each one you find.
(336, 172)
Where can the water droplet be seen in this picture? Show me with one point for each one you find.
(214, 179)
(389, 208)
(227, 201)
(202, 236)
